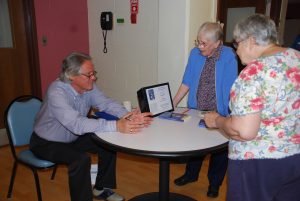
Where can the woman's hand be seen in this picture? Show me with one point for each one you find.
(240, 128)
(210, 119)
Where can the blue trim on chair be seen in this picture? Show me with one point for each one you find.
(28, 157)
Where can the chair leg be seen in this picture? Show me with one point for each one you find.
(37, 184)
(12, 179)
(54, 172)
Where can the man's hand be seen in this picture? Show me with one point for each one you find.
(133, 122)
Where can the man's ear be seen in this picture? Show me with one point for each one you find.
(70, 77)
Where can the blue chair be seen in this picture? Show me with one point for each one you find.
(19, 119)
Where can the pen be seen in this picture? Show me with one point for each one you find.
(185, 111)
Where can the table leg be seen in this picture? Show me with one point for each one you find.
(164, 192)
(164, 178)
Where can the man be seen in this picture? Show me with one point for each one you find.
(62, 131)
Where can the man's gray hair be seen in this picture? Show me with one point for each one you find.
(71, 65)
(212, 31)
(258, 26)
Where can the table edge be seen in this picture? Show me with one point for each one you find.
(158, 154)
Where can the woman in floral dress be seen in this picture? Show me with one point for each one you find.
(264, 126)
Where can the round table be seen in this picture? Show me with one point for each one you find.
(166, 139)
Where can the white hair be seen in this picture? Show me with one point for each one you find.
(258, 26)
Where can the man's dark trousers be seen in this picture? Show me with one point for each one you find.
(79, 163)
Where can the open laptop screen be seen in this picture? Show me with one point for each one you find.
(155, 99)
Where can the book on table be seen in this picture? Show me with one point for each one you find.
(182, 117)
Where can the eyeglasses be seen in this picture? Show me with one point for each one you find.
(236, 43)
(200, 44)
(90, 75)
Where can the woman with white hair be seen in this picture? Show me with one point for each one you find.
(264, 126)
(208, 77)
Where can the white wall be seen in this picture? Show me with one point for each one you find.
(131, 60)
(154, 50)
(200, 12)
(178, 29)
(172, 40)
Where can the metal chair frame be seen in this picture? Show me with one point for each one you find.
(16, 155)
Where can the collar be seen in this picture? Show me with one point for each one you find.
(69, 88)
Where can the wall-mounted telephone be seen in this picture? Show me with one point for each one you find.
(106, 20)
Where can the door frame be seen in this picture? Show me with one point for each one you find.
(31, 35)
(34, 65)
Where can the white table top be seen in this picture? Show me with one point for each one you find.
(165, 136)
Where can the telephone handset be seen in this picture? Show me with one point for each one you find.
(106, 20)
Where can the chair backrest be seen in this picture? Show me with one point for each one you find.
(19, 119)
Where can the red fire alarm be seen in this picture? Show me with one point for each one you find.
(134, 9)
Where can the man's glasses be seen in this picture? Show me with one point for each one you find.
(200, 44)
(92, 74)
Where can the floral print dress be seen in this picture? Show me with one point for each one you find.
(269, 85)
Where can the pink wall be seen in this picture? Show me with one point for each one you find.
(65, 25)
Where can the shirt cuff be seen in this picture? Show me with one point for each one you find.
(111, 126)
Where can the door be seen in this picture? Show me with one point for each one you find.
(19, 72)
(230, 11)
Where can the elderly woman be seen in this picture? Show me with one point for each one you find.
(264, 126)
(208, 77)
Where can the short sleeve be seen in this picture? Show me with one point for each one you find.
(246, 95)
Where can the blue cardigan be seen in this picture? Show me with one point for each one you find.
(226, 73)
